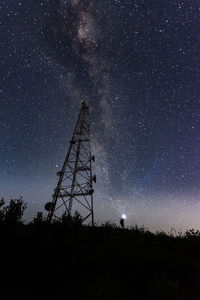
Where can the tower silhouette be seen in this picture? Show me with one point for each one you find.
(74, 190)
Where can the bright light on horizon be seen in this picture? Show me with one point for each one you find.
(124, 216)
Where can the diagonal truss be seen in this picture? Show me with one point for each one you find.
(74, 190)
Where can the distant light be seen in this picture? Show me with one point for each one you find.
(124, 216)
(56, 166)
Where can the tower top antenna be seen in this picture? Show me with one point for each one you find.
(84, 104)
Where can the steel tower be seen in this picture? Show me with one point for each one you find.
(74, 190)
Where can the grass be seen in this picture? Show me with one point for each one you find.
(70, 261)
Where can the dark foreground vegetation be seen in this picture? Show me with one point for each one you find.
(66, 260)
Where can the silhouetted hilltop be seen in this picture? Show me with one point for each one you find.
(66, 260)
(70, 261)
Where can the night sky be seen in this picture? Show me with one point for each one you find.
(137, 64)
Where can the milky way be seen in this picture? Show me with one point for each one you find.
(136, 63)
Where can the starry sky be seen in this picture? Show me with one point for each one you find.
(137, 64)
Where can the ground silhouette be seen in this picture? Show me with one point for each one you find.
(66, 260)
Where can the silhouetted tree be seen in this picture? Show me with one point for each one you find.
(38, 219)
(75, 220)
(13, 213)
(2, 202)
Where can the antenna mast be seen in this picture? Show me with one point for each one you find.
(74, 190)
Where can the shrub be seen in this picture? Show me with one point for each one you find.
(12, 213)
